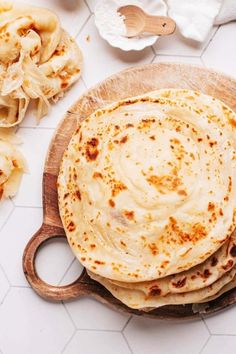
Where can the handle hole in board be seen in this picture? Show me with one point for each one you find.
(56, 264)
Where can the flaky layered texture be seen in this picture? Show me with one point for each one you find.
(12, 167)
(198, 277)
(139, 300)
(147, 186)
(38, 60)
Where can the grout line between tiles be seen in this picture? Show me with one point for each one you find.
(207, 45)
(205, 344)
(69, 340)
(5, 222)
(88, 6)
(223, 335)
(3, 270)
(178, 55)
(36, 128)
(155, 56)
(126, 324)
(82, 79)
(127, 343)
(27, 206)
(4, 297)
(21, 286)
(77, 32)
(68, 313)
(97, 330)
(64, 274)
(83, 26)
(204, 321)
(205, 324)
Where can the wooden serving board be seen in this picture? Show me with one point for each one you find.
(128, 83)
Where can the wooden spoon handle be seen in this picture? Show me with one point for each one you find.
(159, 25)
(57, 293)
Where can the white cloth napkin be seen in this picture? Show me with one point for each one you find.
(195, 18)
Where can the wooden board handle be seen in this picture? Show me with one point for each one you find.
(50, 292)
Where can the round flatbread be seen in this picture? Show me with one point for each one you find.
(138, 300)
(147, 188)
(198, 277)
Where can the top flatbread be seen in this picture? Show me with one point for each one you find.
(147, 187)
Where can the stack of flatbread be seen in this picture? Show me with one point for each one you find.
(147, 196)
(38, 61)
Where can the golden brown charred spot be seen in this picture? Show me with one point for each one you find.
(117, 188)
(232, 122)
(91, 149)
(64, 85)
(221, 212)
(129, 125)
(230, 185)
(175, 141)
(83, 259)
(97, 175)
(66, 195)
(206, 273)
(154, 291)
(182, 192)
(146, 123)
(192, 156)
(123, 243)
(211, 206)
(197, 232)
(129, 214)
(81, 137)
(111, 203)
(71, 226)
(99, 262)
(124, 139)
(214, 261)
(180, 283)
(110, 146)
(152, 137)
(212, 143)
(1, 191)
(94, 267)
(193, 277)
(78, 194)
(153, 248)
(164, 264)
(199, 140)
(92, 245)
(228, 265)
(15, 163)
(233, 251)
(59, 51)
(166, 182)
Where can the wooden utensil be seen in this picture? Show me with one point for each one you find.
(137, 22)
(128, 83)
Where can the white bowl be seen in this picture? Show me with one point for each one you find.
(153, 7)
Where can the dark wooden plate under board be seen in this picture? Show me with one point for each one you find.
(128, 83)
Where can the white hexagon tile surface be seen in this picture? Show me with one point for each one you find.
(30, 325)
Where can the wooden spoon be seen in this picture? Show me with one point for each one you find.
(137, 21)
